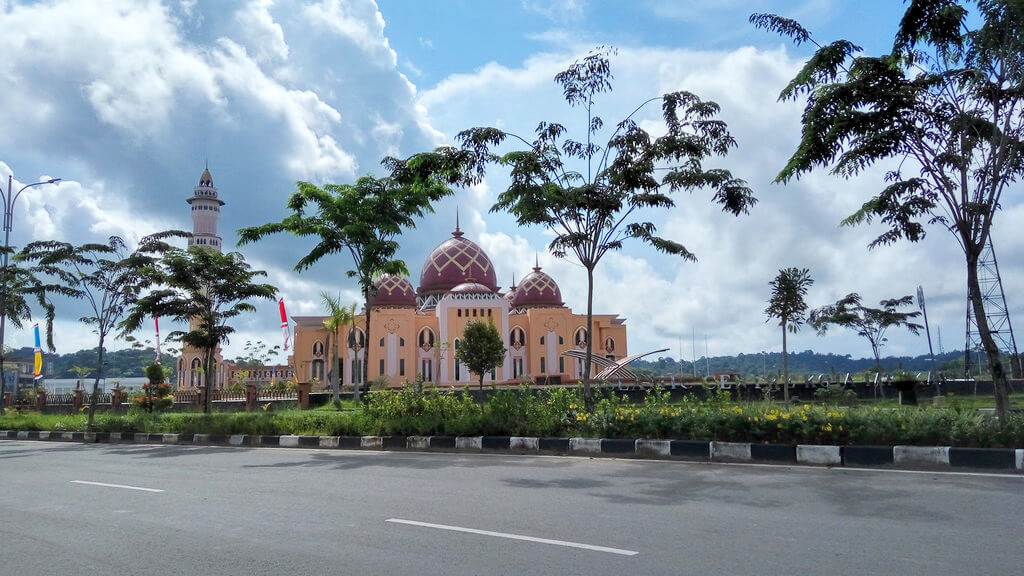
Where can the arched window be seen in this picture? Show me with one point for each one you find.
(580, 339)
(356, 339)
(517, 338)
(195, 373)
(609, 345)
(426, 339)
(317, 370)
(318, 349)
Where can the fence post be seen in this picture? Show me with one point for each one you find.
(251, 397)
(41, 399)
(116, 397)
(201, 397)
(303, 391)
(78, 401)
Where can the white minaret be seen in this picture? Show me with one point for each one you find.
(205, 213)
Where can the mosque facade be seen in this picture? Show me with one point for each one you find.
(415, 330)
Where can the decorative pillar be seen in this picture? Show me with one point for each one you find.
(41, 399)
(303, 391)
(251, 397)
(116, 397)
(78, 401)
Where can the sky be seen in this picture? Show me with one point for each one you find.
(127, 101)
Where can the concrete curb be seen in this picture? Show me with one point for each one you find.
(914, 457)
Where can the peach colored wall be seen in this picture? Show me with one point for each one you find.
(406, 324)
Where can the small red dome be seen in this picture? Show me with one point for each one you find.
(455, 261)
(537, 289)
(471, 288)
(393, 290)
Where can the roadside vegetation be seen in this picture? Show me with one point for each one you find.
(414, 410)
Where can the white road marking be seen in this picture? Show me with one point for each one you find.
(116, 486)
(515, 537)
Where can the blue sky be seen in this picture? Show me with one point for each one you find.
(126, 100)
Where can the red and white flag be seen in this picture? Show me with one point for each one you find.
(156, 321)
(284, 325)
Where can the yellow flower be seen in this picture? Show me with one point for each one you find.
(827, 427)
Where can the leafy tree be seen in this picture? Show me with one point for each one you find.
(107, 276)
(22, 285)
(80, 371)
(481, 349)
(338, 316)
(788, 307)
(945, 104)
(590, 195)
(871, 323)
(363, 219)
(257, 353)
(204, 288)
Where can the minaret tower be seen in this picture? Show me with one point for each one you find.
(205, 213)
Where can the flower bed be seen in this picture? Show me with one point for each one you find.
(561, 412)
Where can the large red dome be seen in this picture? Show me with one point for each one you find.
(393, 290)
(537, 289)
(457, 261)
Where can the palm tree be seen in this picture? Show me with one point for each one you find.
(787, 305)
(363, 220)
(338, 316)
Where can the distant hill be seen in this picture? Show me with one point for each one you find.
(125, 363)
(806, 362)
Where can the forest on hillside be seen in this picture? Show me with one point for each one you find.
(131, 362)
(804, 363)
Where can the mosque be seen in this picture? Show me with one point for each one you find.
(416, 330)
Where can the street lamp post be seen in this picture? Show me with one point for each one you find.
(9, 200)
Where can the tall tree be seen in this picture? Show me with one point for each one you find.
(205, 289)
(870, 323)
(107, 276)
(788, 307)
(338, 316)
(21, 285)
(592, 195)
(944, 104)
(481, 348)
(363, 219)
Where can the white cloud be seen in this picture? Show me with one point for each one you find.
(360, 22)
(557, 10)
(723, 294)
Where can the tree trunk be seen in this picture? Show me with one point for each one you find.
(785, 365)
(588, 394)
(335, 372)
(1000, 384)
(208, 381)
(879, 388)
(95, 386)
(366, 351)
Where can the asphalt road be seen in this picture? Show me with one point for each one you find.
(293, 511)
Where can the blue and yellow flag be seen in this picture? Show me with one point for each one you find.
(39, 355)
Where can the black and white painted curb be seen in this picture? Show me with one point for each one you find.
(914, 457)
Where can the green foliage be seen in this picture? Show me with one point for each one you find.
(481, 348)
(836, 394)
(870, 323)
(787, 300)
(591, 193)
(155, 373)
(944, 104)
(362, 220)
(202, 287)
